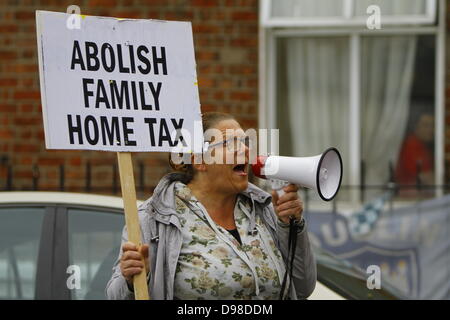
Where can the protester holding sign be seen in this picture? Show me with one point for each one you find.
(210, 234)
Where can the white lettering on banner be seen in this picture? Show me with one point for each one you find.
(117, 84)
(341, 236)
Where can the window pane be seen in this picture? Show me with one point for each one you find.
(94, 243)
(398, 110)
(306, 8)
(313, 96)
(20, 233)
(392, 7)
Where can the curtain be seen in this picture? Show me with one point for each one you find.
(387, 74)
(313, 90)
(313, 96)
(313, 101)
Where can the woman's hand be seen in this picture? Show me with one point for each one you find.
(131, 262)
(289, 204)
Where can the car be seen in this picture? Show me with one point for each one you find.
(48, 239)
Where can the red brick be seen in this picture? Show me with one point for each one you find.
(243, 70)
(7, 55)
(241, 95)
(21, 68)
(26, 108)
(252, 83)
(28, 174)
(8, 28)
(28, 82)
(225, 83)
(102, 3)
(25, 15)
(205, 3)
(8, 82)
(103, 161)
(219, 69)
(129, 14)
(75, 175)
(245, 16)
(26, 160)
(208, 108)
(27, 121)
(26, 135)
(26, 148)
(205, 29)
(40, 135)
(4, 120)
(245, 42)
(178, 16)
(6, 134)
(206, 82)
(75, 161)
(7, 107)
(52, 175)
(207, 56)
(4, 94)
(219, 95)
(29, 54)
(50, 161)
(27, 95)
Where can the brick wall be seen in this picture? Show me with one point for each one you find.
(225, 36)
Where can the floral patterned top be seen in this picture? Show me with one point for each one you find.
(213, 265)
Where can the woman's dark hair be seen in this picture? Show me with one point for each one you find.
(209, 120)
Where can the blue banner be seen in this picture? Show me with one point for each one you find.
(411, 245)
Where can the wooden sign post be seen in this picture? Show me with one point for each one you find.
(131, 218)
(119, 85)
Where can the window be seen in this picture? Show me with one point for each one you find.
(327, 80)
(94, 244)
(320, 13)
(20, 233)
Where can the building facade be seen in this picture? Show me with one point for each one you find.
(248, 59)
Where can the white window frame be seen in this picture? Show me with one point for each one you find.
(268, 35)
(346, 19)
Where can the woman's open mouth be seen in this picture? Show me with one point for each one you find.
(240, 169)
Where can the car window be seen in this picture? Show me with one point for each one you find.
(94, 243)
(20, 233)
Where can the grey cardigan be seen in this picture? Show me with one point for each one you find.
(160, 228)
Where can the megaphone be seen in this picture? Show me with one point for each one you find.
(322, 173)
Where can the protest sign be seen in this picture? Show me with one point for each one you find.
(117, 84)
(121, 85)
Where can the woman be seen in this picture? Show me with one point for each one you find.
(210, 234)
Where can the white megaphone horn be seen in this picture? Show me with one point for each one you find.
(322, 173)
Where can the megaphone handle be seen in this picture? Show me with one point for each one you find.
(278, 186)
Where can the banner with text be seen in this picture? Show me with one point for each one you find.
(119, 85)
(411, 245)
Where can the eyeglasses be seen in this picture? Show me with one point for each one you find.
(234, 144)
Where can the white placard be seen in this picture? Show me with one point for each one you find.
(121, 85)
